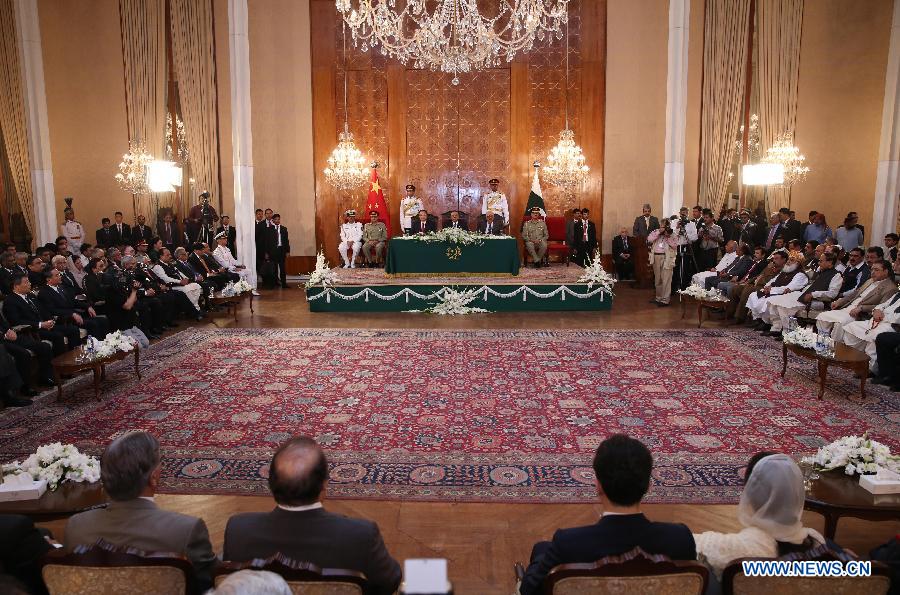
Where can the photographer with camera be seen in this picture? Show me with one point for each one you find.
(710, 240)
(663, 243)
(200, 221)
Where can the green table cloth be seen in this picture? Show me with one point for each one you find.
(418, 258)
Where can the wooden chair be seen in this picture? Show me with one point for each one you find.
(632, 572)
(735, 582)
(303, 577)
(556, 242)
(104, 569)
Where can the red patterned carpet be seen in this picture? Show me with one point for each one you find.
(460, 415)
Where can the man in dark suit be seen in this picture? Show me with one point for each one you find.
(492, 224)
(141, 231)
(622, 466)
(455, 222)
(887, 355)
(585, 239)
(570, 232)
(21, 547)
(121, 230)
(36, 268)
(168, 233)
(230, 234)
(23, 347)
(622, 255)
(57, 302)
(20, 309)
(104, 235)
(278, 246)
(423, 223)
(644, 224)
(209, 273)
(301, 529)
(260, 231)
(791, 229)
(130, 469)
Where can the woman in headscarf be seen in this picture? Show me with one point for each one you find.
(770, 510)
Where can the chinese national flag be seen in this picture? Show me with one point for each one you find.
(376, 202)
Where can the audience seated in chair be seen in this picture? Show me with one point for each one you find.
(21, 547)
(770, 509)
(252, 582)
(301, 529)
(622, 466)
(130, 469)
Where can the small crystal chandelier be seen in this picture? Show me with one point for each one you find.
(451, 35)
(346, 166)
(132, 176)
(565, 163)
(784, 152)
(173, 133)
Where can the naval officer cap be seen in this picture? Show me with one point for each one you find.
(220, 235)
(350, 212)
(410, 187)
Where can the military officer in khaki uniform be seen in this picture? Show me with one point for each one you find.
(535, 235)
(374, 237)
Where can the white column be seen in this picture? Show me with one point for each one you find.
(29, 40)
(887, 183)
(676, 106)
(241, 137)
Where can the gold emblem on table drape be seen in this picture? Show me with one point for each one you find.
(454, 252)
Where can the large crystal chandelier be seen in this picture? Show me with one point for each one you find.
(346, 168)
(565, 164)
(752, 140)
(452, 35)
(784, 152)
(132, 176)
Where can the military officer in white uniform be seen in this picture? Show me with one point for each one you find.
(409, 208)
(224, 257)
(351, 237)
(73, 231)
(495, 201)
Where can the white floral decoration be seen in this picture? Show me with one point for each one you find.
(803, 337)
(454, 303)
(595, 274)
(112, 344)
(242, 287)
(323, 275)
(701, 293)
(57, 463)
(856, 455)
(452, 235)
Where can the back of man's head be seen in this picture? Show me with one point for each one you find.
(298, 472)
(252, 582)
(128, 463)
(622, 465)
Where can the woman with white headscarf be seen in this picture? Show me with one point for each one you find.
(770, 510)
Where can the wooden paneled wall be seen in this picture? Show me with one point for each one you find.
(449, 139)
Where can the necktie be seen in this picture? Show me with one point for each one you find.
(278, 233)
(30, 303)
(585, 231)
(203, 262)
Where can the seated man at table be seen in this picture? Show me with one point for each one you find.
(373, 238)
(535, 234)
(492, 224)
(455, 221)
(423, 224)
(351, 238)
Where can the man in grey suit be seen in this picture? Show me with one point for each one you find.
(130, 470)
(644, 224)
(301, 529)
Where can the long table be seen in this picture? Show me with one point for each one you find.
(417, 258)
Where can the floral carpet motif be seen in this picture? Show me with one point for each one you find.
(494, 415)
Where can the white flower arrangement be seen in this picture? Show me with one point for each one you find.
(452, 235)
(241, 287)
(112, 344)
(803, 337)
(454, 303)
(57, 463)
(595, 274)
(856, 455)
(323, 275)
(701, 293)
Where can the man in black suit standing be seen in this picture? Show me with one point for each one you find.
(259, 234)
(168, 233)
(423, 223)
(278, 246)
(622, 255)
(121, 231)
(141, 231)
(104, 235)
(492, 224)
(230, 234)
(21, 309)
(301, 529)
(585, 239)
(644, 224)
(622, 466)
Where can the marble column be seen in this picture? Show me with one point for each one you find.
(29, 40)
(676, 106)
(241, 137)
(887, 182)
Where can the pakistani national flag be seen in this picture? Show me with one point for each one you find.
(535, 198)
